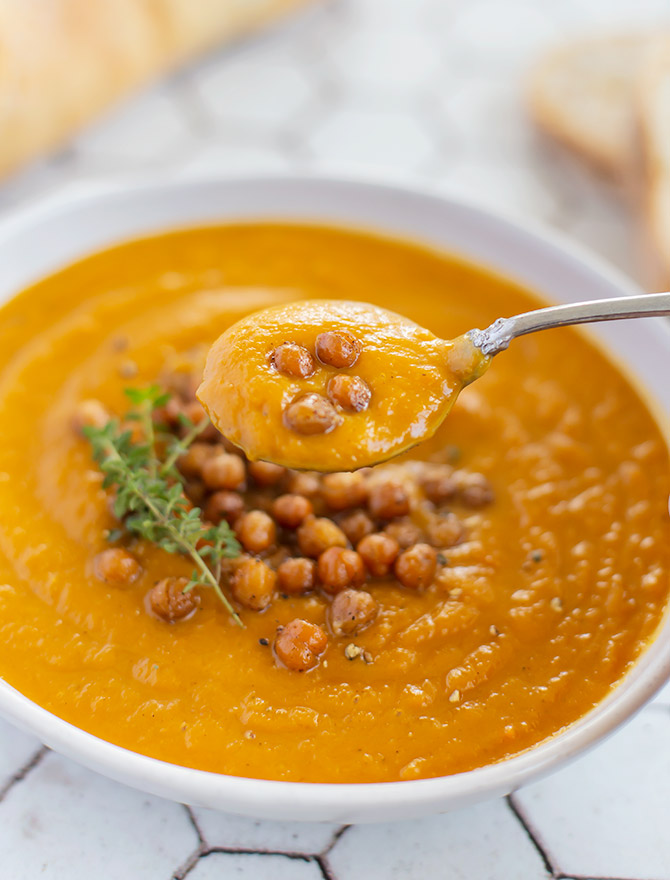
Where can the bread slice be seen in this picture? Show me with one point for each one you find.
(64, 61)
(653, 94)
(583, 94)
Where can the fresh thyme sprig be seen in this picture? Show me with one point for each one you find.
(150, 500)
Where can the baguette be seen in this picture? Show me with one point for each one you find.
(653, 93)
(64, 61)
(583, 94)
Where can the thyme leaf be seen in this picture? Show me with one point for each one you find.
(149, 491)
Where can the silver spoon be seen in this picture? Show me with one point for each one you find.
(498, 336)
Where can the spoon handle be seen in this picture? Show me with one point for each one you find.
(498, 336)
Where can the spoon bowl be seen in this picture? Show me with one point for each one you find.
(332, 385)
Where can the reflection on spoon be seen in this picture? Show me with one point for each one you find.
(332, 385)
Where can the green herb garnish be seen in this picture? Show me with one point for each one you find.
(150, 500)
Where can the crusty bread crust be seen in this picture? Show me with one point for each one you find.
(653, 103)
(583, 95)
(63, 61)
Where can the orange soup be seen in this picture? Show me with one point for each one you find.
(539, 510)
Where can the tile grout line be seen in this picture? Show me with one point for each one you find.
(324, 867)
(248, 851)
(531, 836)
(196, 826)
(22, 772)
(187, 866)
(589, 877)
(203, 851)
(321, 858)
(194, 857)
(334, 839)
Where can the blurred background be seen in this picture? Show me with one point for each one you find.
(99, 93)
(425, 91)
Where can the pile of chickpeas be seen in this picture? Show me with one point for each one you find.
(331, 535)
(313, 413)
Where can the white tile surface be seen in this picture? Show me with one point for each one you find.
(257, 88)
(425, 90)
(222, 831)
(226, 866)
(137, 132)
(17, 749)
(225, 157)
(395, 62)
(504, 34)
(663, 696)
(364, 136)
(485, 841)
(608, 815)
(63, 821)
(394, 13)
(512, 193)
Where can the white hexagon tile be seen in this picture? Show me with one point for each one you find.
(425, 91)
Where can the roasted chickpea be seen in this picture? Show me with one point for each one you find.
(356, 526)
(89, 414)
(291, 359)
(116, 566)
(344, 490)
(300, 644)
(181, 383)
(265, 473)
(437, 482)
(223, 505)
(291, 510)
(167, 600)
(297, 575)
(310, 414)
(445, 530)
(388, 500)
(169, 414)
(350, 392)
(351, 611)
(195, 492)
(256, 531)
(317, 534)
(193, 460)
(304, 483)
(195, 413)
(405, 532)
(415, 568)
(337, 348)
(253, 583)
(474, 489)
(223, 471)
(339, 568)
(378, 552)
(276, 557)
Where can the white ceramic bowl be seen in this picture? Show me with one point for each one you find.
(43, 239)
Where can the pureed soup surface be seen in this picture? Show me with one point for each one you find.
(554, 591)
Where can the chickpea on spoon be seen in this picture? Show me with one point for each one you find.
(333, 385)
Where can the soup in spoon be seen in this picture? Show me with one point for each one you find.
(332, 385)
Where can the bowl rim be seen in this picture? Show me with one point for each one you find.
(315, 801)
